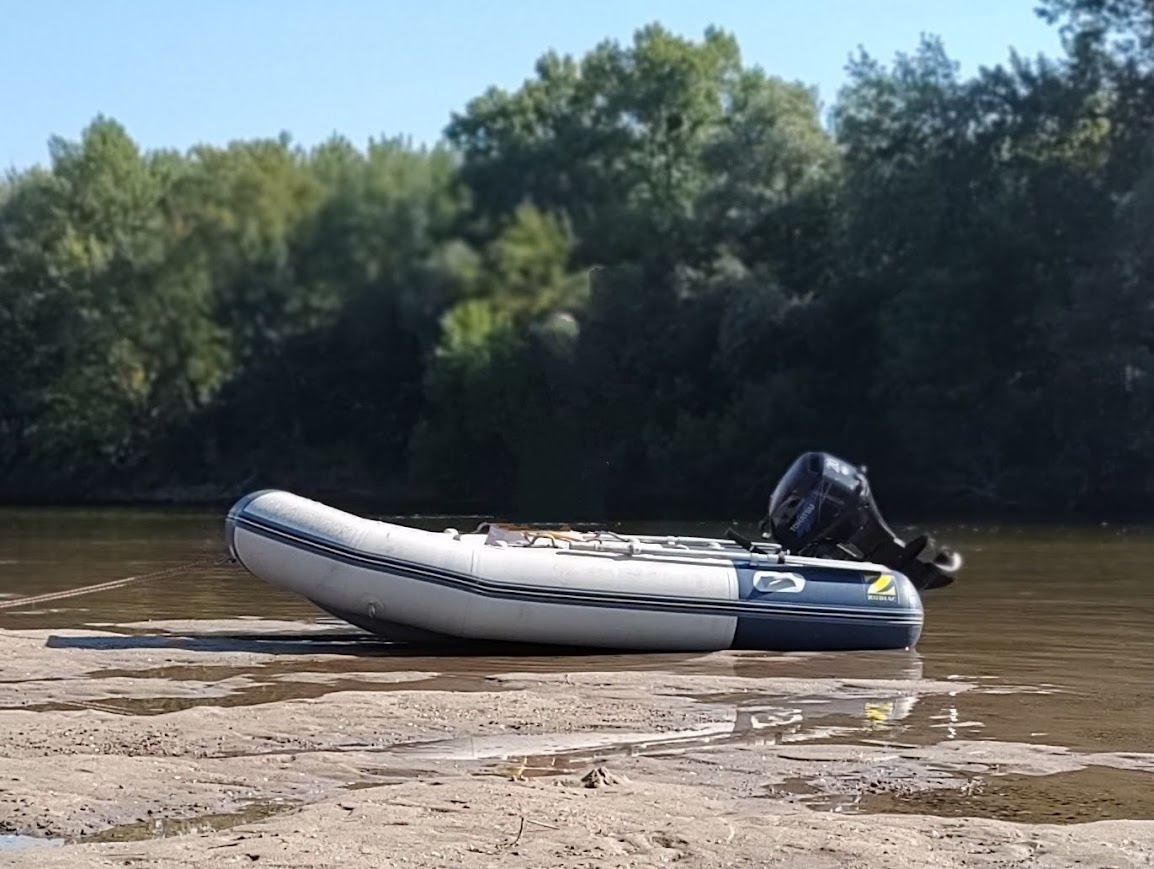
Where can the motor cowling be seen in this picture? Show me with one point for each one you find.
(823, 507)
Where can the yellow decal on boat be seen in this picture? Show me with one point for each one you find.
(879, 710)
(882, 588)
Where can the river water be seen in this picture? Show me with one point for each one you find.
(1061, 618)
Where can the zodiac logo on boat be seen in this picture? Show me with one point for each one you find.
(882, 588)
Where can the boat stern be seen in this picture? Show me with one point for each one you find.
(895, 600)
(826, 606)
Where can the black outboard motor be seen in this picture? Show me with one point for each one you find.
(823, 507)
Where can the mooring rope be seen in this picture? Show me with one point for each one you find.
(115, 583)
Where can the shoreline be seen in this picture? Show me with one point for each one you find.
(391, 504)
(294, 743)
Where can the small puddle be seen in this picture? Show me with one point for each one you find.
(10, 842)
(847, 785)
(159, 828)
(176, 673)
(1095, 793)
(278, 687)
(392, 775)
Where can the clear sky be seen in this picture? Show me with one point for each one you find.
(213, 70)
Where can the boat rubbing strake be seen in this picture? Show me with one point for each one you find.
(833, 577)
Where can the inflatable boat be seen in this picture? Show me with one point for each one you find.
(829, 574)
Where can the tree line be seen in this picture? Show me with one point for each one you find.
(641, 282)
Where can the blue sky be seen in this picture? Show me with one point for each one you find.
(213, 70)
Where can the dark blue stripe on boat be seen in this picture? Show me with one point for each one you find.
(820, 634)
(764, 615)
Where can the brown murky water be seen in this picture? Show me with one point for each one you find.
(1056, 624)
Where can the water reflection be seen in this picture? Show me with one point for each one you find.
(757, 720)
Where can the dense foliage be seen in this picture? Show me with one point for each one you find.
(647, 278)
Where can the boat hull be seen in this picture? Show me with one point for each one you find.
(408, 584)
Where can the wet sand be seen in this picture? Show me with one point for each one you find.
(243, 741)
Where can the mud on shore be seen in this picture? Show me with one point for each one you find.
(291, 744)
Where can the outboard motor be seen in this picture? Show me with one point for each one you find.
(823, 507)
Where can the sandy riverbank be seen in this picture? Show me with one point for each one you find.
(242, 743)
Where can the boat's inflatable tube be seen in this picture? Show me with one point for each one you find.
(590, 589)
